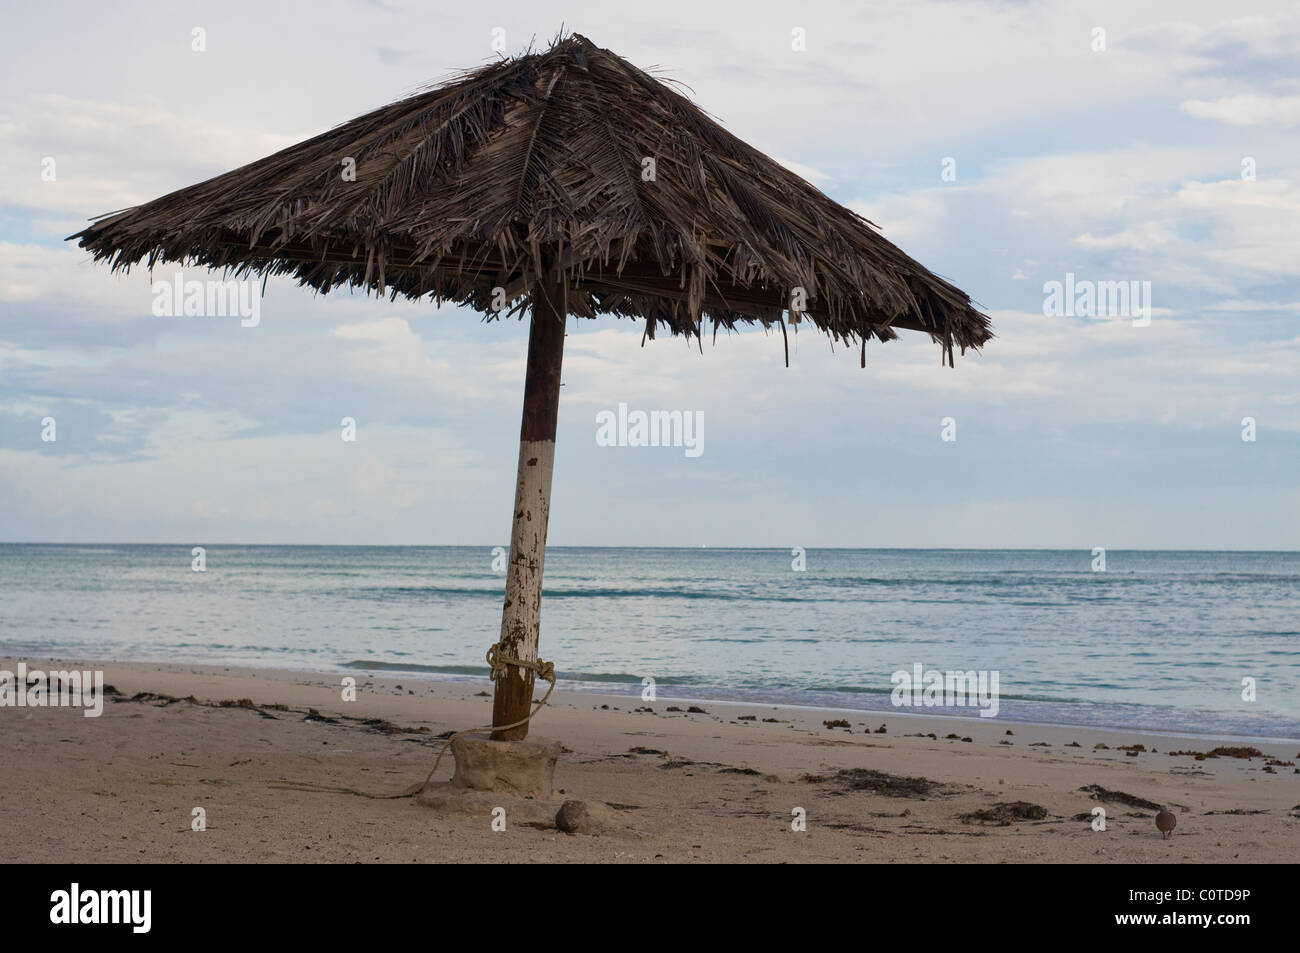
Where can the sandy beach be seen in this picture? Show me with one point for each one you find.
(717, 785)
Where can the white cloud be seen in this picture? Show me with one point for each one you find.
(1248, 110)
(111, 155)
(815, 176)
(1142, 237)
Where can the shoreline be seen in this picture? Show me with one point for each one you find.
(581, 688)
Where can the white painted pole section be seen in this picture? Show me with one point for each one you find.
(521, 616)
(521, 620)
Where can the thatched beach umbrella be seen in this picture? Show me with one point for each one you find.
(565, 182)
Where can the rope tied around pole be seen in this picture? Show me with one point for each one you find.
(498, 662)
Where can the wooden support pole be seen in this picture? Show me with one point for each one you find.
(521, 616)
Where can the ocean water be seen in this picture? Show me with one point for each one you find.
(1159, 641)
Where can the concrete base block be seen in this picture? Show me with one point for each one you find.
(521, 768)
(518, 776)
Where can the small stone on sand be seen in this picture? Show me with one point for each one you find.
(1165, 823)
(573, 818)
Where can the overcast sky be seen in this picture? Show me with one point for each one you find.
(1128, 163)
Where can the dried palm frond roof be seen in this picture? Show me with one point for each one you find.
(472, 190)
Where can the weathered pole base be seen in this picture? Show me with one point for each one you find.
(517, 776)
(512, 782)
(524, 768)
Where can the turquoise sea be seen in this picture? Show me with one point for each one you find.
(1157, 641)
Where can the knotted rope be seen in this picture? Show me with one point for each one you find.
(498, 662)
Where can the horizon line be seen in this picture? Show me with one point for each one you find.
(691, 548)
